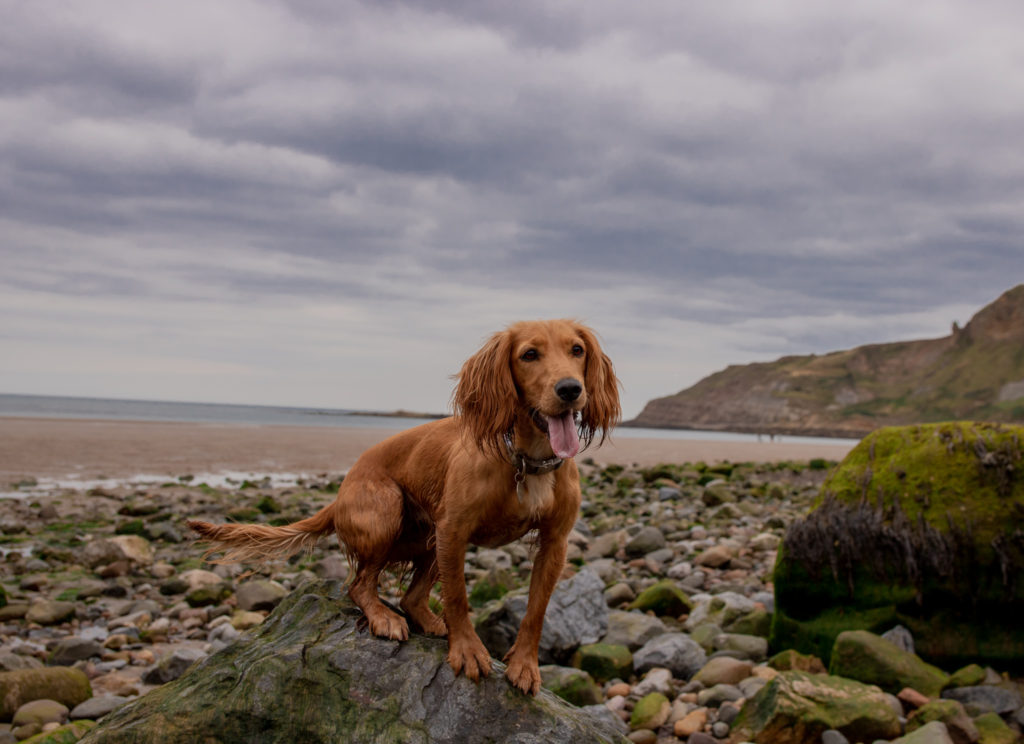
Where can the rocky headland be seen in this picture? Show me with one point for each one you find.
(661, 630)
(976, 372)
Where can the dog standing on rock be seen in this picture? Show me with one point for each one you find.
(500, 467)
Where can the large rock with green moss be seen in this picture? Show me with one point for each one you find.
(311, 673)
(66, 685)
(797, 707)
(918, 526)
(868, 658)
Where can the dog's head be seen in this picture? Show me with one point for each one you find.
(554, 370)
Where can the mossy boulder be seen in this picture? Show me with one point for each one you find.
(756, 623)
(572, 685)
(663, 598)
(918, 526)
(992, 729)
(797, 707)
(311, 673)
(871, 659)
(604, 661)
(967, 676)
(65, 685)
(949, 712)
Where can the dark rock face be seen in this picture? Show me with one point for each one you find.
(311, 673)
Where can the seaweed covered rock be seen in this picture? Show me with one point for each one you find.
(311, 673)
(919, 526)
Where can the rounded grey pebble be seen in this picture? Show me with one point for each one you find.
(720, 729)
(831, 736)
(727, 713)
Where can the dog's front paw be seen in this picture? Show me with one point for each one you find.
(389, 625)
(469, 657)
(523, 673)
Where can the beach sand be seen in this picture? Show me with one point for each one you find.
(90, 449)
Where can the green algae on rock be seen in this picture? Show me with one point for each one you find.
(869, 658)
(663, 598)
(604, 661)
(650, 711)
(572, 685)
(919, 526)
(310, 673)
(797, 707)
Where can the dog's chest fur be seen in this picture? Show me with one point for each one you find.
(537, 494)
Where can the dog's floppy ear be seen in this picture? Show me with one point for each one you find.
(485, 397)
(602, 411)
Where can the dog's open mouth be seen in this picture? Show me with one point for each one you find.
(561, 431)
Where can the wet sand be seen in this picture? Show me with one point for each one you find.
(89, 449)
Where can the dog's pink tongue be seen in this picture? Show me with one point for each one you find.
(565, 441)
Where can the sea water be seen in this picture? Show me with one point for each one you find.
(48, 406)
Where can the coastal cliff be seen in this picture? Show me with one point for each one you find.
(977, 372)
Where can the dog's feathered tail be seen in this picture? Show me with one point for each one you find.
(259, 543)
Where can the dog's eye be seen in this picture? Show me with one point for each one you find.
(577, 350)
(530, 355)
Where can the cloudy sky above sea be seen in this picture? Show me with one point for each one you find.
(333, 203)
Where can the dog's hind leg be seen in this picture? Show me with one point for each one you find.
(416, 602)
(368, 519)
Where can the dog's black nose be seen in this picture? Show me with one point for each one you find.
(568, 389)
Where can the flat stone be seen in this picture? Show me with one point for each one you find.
(723, 670)
(69, 650)
(718, 694)
(750, 647)
(986, 698)
(97, 707)
(49, 611)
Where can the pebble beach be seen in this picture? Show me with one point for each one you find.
(102, 578)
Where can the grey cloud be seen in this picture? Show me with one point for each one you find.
(705, 164)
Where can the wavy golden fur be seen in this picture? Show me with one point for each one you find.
(535, 392)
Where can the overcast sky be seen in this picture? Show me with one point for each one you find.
(333, 203)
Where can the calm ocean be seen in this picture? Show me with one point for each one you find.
(46, 406)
